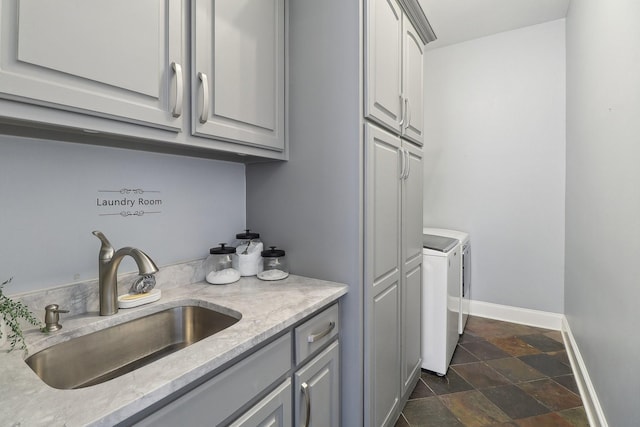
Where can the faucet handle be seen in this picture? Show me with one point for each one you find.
(52, 317)
(106, 249)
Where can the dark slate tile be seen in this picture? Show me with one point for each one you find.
(513, 345)
(507, 424)
(472, 408)
(551, 394)
(515, 370)
(551, 419)
(480, 375)
(487, 328)
(484, 350)
(421, 391)
(542, 342)
(462, 356)
(450, 383)
(576, 416)
(468, 336)
(429, 412)
(561, 356)
(548, 365)
(556, 335)
(514, 402)
(402, 422)
(568, 381)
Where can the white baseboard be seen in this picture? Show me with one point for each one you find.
(523, 316)
(587, 392)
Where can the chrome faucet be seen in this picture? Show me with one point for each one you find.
(108, 262)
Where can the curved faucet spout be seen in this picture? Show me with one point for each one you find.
(145, 264)
(108, 263)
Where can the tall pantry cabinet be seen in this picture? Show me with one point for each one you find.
(393, 81)
(347, 205)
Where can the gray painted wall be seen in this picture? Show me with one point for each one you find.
(495, 160)
(602, 288)
(311, 206)
(49, 193)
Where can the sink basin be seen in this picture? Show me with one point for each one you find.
(108, 353)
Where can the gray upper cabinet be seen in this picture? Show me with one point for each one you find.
(109, 59)
(383, 70)
(238, 73)
(412, 84)
(393, 71)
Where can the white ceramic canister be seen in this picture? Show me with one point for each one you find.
(247, 259)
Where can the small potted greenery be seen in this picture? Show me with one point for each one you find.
(10, 314)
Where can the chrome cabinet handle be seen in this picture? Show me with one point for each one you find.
(316, 337)
(403, 165)
(401, 113)
(408, 163)
(407, 110)
(205, 97)
(307, 402)
(177, 108)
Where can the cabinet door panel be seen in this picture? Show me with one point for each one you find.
(385, 355)
(239, 48)
(111, 59)
(383, 70)
(413, 85)
(321, 380)
(412, 205)
(411, 326)
(272, 411)
(383, 205)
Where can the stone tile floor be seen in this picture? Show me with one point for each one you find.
(501, 374)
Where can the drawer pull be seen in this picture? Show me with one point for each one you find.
(307, 402)
(316, 337)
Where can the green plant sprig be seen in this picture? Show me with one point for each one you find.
(11, 312)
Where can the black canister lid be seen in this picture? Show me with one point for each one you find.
(272, 253)
(223, 249)
(247, 235)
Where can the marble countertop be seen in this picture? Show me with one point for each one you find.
(267, 308)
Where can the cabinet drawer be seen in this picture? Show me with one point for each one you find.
(217, 399)
(316, 332)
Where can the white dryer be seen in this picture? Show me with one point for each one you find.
(441, 259)
(465, 270)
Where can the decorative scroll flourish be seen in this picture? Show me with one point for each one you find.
(131, 213)
(129, 191)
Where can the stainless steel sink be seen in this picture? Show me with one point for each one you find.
(106, 354)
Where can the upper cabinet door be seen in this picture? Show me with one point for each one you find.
(105, 58)
(238, 77)
(412, 84)
(383, 63)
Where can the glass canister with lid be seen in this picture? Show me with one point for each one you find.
(219, 266)
(247, 259)
(274, 265)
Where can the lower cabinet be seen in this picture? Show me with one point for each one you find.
(317, 385)
(273, 411)
(257, 390)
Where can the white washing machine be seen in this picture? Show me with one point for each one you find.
(441, 259)
(465, 271)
